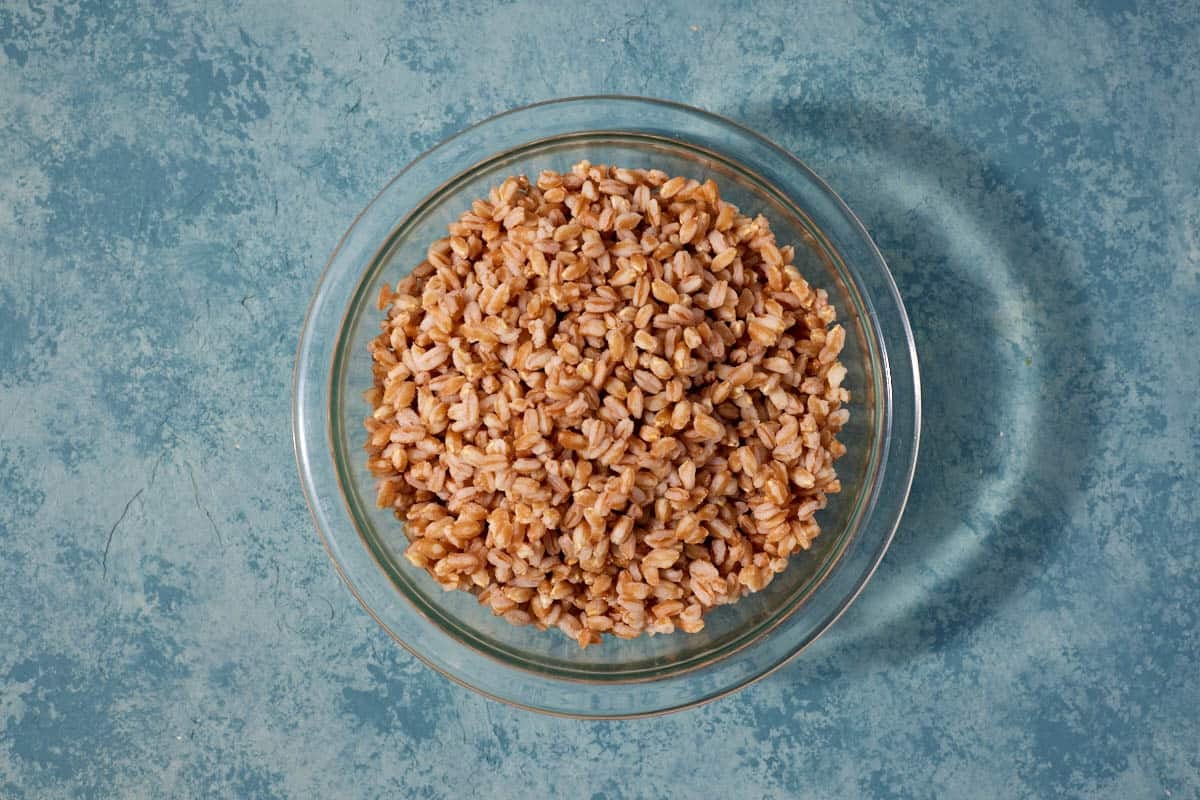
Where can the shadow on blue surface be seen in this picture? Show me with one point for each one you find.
(1004, 440)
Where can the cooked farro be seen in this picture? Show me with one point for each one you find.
(606, 402)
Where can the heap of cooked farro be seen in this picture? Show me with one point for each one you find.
(607, 402)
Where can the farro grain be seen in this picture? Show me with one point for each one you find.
(606, 402)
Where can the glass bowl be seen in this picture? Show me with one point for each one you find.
(545, 670)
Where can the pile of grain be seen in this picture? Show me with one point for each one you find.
(607, 402)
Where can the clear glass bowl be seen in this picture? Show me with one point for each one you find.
(545, 670)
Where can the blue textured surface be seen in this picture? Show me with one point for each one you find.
(172, 181)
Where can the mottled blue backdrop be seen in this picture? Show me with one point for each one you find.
(173, 177)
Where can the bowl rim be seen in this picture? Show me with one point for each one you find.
(900, 500)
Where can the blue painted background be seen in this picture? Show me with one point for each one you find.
(172, 179)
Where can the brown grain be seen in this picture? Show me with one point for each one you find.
(606, 402)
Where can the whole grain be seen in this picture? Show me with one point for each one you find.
(606, 402)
